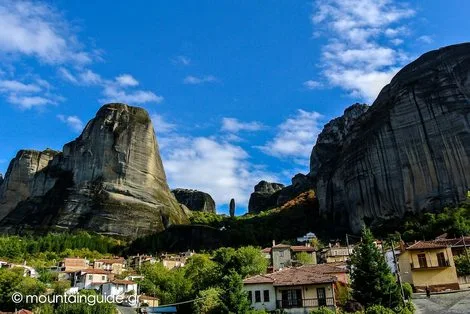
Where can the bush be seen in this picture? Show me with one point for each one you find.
(408, 309)
(407, 290)
(352, 306)
(322, 310)
(378, 309)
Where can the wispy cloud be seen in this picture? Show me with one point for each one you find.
(194, 80)
(127, 80)
(36, 29)
(72, 122)
(28, 95)
(183, 60)
(357, 57)
(295, 137)
(311, 84)
(426, 39)
(113, 93)
(234, 125)
(161, 125)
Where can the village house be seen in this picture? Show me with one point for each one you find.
(119, 288)
(71, 264)
(283, 255)
(146, 300)
(336, 253)
(296, 290)
(137, 261)
(428, 264)
(114, 265)
(91, 278)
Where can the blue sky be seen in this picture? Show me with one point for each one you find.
(238, 90)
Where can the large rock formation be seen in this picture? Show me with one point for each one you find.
(195, 200)
(109, 180)
(264, 197)
(19, 182)
(408, 152)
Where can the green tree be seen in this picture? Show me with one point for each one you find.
(304, 258)
(209, 301)
(202, 271)
(372, 281)
(234, 298)
(462, 263)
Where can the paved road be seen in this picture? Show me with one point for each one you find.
(448, 303)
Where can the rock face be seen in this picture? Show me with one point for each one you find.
(408, 152)
(264, 197)
(19, 182)
(109, 180)
(195, 200)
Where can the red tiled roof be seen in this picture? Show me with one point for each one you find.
(453, 242)
(423, 245)
(304, 275)
(95, 271)
(119, 260)
(302, 248)
(281, 246)
(123, 282)
(266, 250)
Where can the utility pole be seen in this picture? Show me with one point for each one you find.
(347, 244)
(398, 272)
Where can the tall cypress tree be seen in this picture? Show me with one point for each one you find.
(372, 279)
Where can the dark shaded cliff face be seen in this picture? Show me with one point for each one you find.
(408, 152)
(109, 180)
(195, 200)
(264, 197)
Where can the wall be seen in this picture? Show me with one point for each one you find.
(271, 305)
(278, 259)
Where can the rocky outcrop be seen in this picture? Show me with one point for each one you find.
(19, 182)
(195, 200)
(408, 152)
(264, 197)
(109, 180)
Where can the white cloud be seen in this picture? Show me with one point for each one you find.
(88, 77)
(295, 137)
(113, 93)
(161, 125)
(357, 57)
(426, 39)
(36, 29)
(221, 169)
(194, 80)
(127, 80)
(16, 86)
(66, 75)
(183, 60)
(28, 102)
(311, 84)
(73, 122)
(234, 125)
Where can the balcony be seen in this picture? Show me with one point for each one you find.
(429, 266)
(305, 303)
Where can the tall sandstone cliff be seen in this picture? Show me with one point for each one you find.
(109, 180)
(408, 152)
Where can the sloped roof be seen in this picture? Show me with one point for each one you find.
(302, 248)
(123, 282)
(423, 245)
(304, 275)
(95, 271)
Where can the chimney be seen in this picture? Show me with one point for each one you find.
(274, 242)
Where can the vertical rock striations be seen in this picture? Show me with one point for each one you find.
(264, 197)
(109, 180)
(410, 151)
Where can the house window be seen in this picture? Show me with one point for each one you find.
(266, 295)
(281, 254)
(90, 277)
(441, 260)
(103, 277)
(257, 296)
(422, 261)
(250, 296)
(291, 298)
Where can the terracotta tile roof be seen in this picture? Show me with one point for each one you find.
(423, 245)
(454, 242)
(119, 260)
(95, 271)
(123, 282)
(304, 275)
(302, 248)
(258, 279)
(266, 250)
